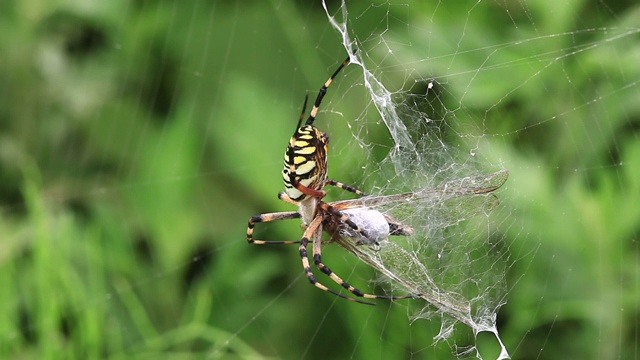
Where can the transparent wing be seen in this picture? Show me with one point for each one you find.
(405, 268)
(449, 203)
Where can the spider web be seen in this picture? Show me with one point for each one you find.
(453, 263)
(138, 137)
(461, 260)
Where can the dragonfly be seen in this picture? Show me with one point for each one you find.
(457, 200)
(450, 203)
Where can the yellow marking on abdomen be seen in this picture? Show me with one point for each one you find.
(301, 143)
(306, 150)
(306, 167)
(297, 160)
(309, 181)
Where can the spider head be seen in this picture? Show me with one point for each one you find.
(305, 163)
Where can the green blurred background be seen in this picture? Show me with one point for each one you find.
(138, 137)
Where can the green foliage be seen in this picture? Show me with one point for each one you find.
(136, 139)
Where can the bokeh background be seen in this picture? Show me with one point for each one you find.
(138, 137)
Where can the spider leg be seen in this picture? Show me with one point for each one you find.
(285, 215)
(315, 229)
(304, 108)
(284, 197)
(317, 259)
(345, 187)
(305, 190)
(323, 91)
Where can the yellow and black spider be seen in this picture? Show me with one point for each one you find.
(305, 176)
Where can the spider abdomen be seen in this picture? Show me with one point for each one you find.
(305, 161)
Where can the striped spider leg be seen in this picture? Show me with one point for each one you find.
(328, 215)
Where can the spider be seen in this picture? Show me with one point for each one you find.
(305, 176)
